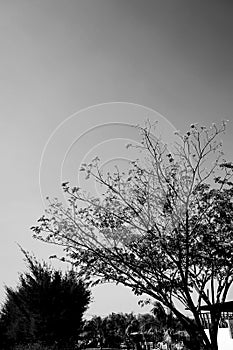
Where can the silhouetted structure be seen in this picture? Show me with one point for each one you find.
(226, 310)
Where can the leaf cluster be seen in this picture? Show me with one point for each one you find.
(47, 306)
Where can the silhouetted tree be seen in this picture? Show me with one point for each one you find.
(134, 331)
(109, 331)
(47, 306)
(163, 229)
(115, 329)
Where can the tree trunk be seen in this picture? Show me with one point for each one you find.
(196, 341)
(214, 330)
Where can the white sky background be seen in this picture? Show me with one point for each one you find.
(59, 57)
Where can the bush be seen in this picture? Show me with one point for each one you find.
(46, 308)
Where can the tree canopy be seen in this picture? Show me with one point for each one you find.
(164, 228)
(129, 330)
(47, 307)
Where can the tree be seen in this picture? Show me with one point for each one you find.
(168, 326)
(115, 329)
(129, 330)
(93, 332)
(109, 331)
(47, 306)
(163, 229)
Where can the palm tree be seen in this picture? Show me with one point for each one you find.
(167, 324)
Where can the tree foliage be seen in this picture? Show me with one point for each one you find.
(46, 307)
(163, 229)
(109, 331)
(119, 329)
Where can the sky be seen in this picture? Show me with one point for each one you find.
(75, 75)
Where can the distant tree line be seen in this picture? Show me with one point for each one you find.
(130, 331)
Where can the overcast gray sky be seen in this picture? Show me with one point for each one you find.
(62, 56)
